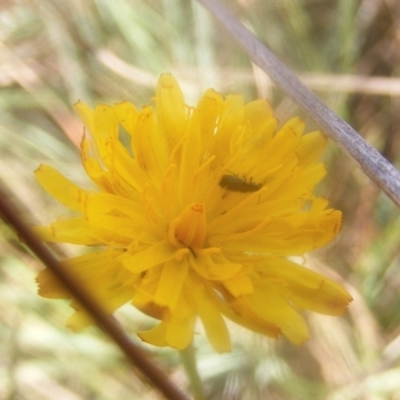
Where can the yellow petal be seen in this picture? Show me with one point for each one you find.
(176, 331)
(238, 285)
(105, 131)
(60, 187)
(190, 159)
(179, 333)
(145, 289)
(86, 114)
(73, 230)
(215, 268)
(156, 335)
(79, 321)
(239, 311)
(50, 286)
(105, 203)
(306, 288)
(259, 114)
(294, 125)
(126, 115)
(270, 306)
(209, 108)
(211, 317)
(329, 299)
(149, 146)
(128, 170)
(154, 255)
(170, 285)
(310, 147)
(170, 107)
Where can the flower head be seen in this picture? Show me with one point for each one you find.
(197, 218)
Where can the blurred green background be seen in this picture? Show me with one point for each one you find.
(54, 52)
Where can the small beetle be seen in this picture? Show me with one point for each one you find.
(236, 184)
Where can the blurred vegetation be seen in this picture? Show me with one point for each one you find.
(53, 52)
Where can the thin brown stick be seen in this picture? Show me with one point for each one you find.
(369, 159)
(135, 354)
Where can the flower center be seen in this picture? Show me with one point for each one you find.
(190, 227)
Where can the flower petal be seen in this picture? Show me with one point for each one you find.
(171, 110)
(260, 115)
(308, 289)
(156, 254)
(126, 115)
(73, 230)
(60, 188)
(215, 267)
(209, 109)
(170, 285)
(270, 306)
(238, 285)
(156, 335)
(86, 114)
(210, 316)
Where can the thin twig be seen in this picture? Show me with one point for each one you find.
(369, 159)
(9, 213)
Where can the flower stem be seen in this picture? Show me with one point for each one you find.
(188, 357)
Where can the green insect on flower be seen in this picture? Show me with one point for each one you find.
(235, 184)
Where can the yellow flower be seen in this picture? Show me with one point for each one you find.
(197, 218)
